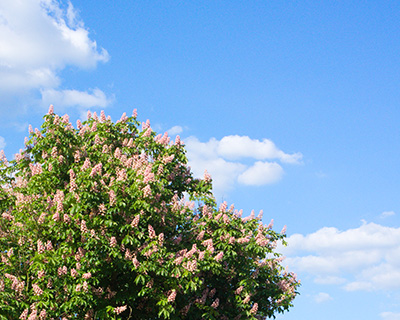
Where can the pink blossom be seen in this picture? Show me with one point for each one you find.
(74, 273)
(113, 197)
(283, 230)
(168, 159)
(152, 233)
(178, 260)
(123, 117)
(85, 287)
(201, 255)
(215, 304)
(40, 247)
(51, 109)
(79, 124)
(117, 153)
(190, 265)
(239, 290)
(135, 221)
(7, 216)
(146, 191)
(121, 175)
(135, 262)
(94, 127)
(200, 235)
(37, 290)
(192, 251)
(56, 216)
(119, 310)
(223, 206)
(49, 245)
(42, 314)
(65, 118)
(24, 314)
(96, 169)
(207, 176)
(134, 113)
(172, 296)
(33, 314)
(145, 125)
(84, 228)
(148, 132)
(86, 165)
(67, 219)
(102, 116)
(254, 309)
(219, 256)
(113, 242)
(36, 168)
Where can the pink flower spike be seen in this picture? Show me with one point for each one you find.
(254, 309)
(207, 176)
(102, 116)
(172, 296)
(219, 256)
(51, 109)
(134, 113)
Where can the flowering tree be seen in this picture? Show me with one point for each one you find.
(94, 225)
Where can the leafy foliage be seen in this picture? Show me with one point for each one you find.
(94, 225)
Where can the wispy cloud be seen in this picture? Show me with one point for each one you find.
(38, 39)
(175, 130)
(238, 160)
(390, 316)
(386, 214)
(2, 143)
(322, 297)
(364, 258)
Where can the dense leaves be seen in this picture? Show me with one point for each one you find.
(106, 221)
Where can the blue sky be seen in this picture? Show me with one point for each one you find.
(293, 107)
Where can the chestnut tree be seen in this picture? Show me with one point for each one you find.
(106, 221)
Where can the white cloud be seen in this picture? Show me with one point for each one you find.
(390, 316)
(175, 130)
(2, 143)
(261, 173)
(385, 214)
(65, 98)
(38, 39)
(322, 297)
(223, 160)
(236, 147)
(364, 258)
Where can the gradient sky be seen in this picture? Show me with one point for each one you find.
(292, 106)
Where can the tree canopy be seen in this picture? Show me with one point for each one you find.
(106, 221)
